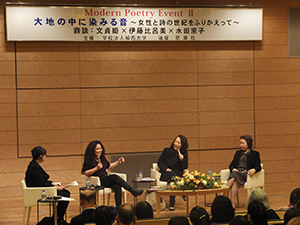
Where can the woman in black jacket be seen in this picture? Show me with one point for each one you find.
(173, 161)
(245, 162)
(36, 176)
(96, 164)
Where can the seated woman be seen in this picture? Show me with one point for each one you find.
(35, 176)
(260, 195)
(173, 161)
(245, 162)
(95, 164)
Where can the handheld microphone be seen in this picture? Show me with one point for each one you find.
(98, 157)
(178, 150)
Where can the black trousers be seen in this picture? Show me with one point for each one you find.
(167, 176)
(63, 205)
(116, 183)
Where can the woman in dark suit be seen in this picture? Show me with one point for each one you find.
(245, 162)
(36, 176)
(173, 161)
(96, 164)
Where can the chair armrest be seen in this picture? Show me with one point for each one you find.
(92, 179)
(32, 194)
(225, 175)
(155, 174)
(155, 166)
(256, 180)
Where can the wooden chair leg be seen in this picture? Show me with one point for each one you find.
(24, 215)
(28, 216)
(124, 194)
(108, 198)
(99, 199)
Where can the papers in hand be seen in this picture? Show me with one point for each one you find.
(74, 183)
(66, 199)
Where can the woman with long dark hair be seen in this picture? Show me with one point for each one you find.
(245, 162)
(96, 164)
(173, 161)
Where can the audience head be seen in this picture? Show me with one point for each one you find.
(87, 197)
(38, 152)
(184, 143)
(257, 213)
(294, 197)
(179, 220)
(240, 220)
(126, 215)
(221, 209)
(104, 215)
(294, 221)
(259, 195)
(199, 216)
(291, 213)
(143, 210)
(248, 139)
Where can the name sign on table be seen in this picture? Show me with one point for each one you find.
(30, 23)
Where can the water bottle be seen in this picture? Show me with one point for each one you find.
(87, 184)
(43, 195)
(209, 173)
(140, 175)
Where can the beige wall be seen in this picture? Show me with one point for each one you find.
(136, 97)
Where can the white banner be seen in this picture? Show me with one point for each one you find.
(132, 24)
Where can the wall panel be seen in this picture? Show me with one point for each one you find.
(225, 78)
(48, 81)
(225, 65)
(8, 120)
(282, 64)
(220, 104)
(271, 103)
(274, 39)
(271, 52)
(155, 106)
(137, 52)
(165, 66)
(271, 25)
(51, 118)
(140, 120)
(279, 77)
(282, 115)
(138, 79)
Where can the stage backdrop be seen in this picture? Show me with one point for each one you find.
(132, 24)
